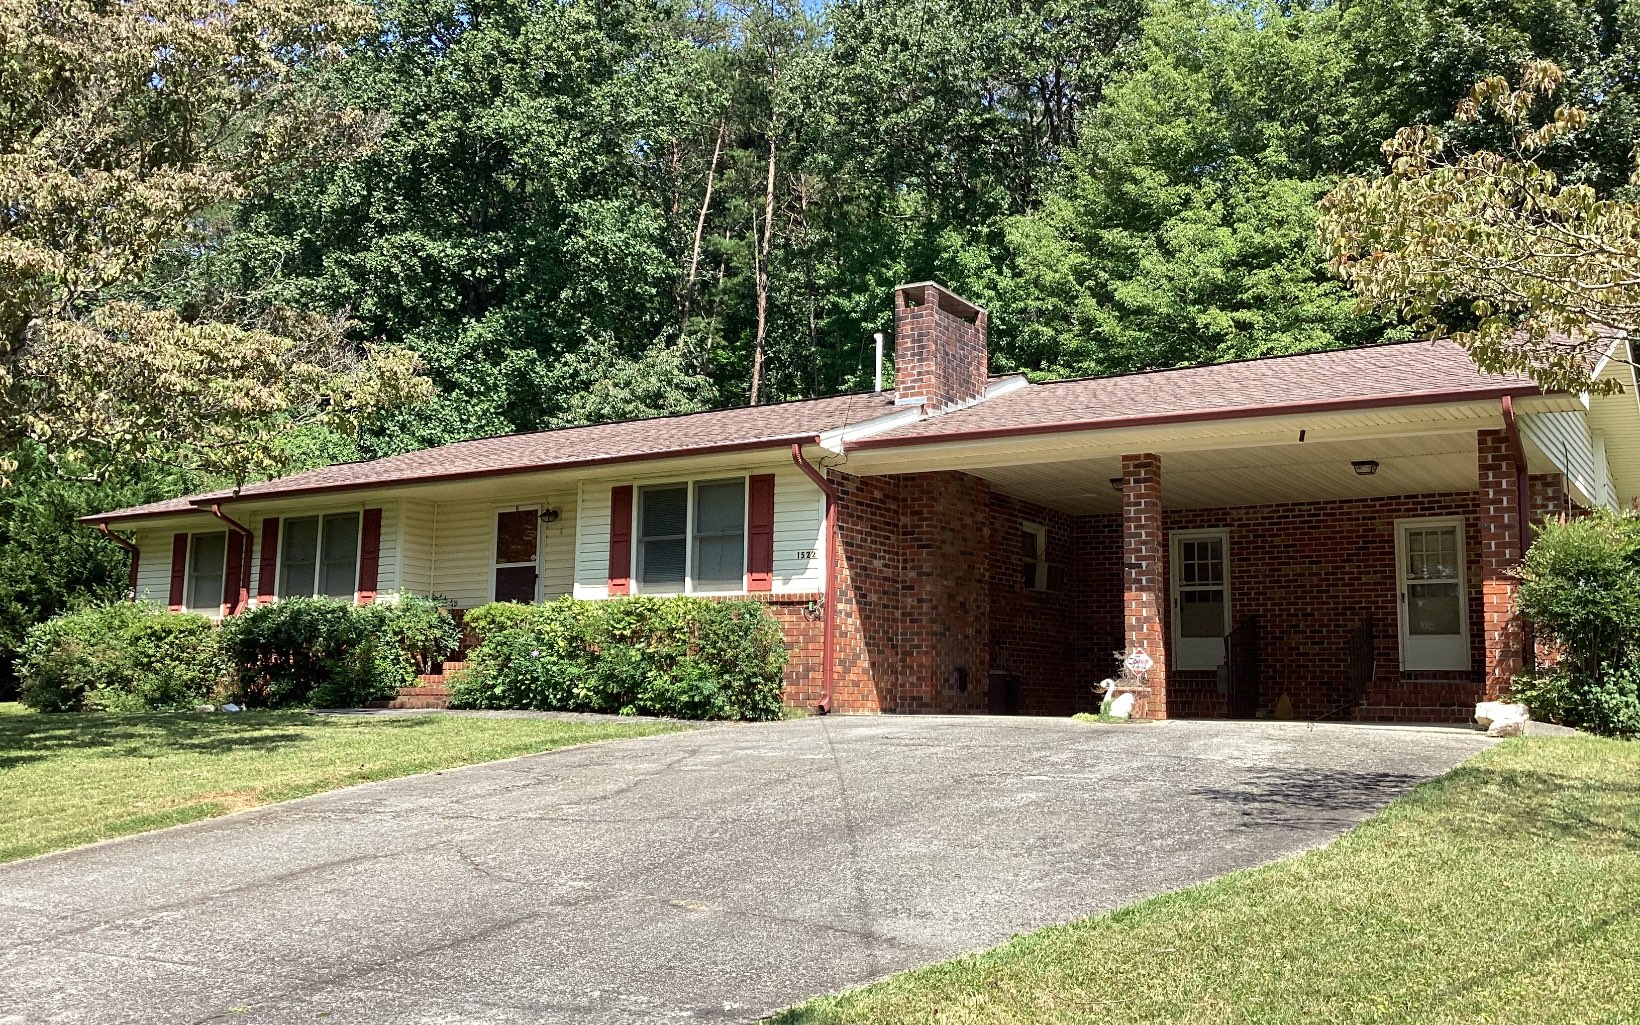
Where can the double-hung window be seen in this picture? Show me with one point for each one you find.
(207, 571)
(319, 555)
(1033, 556)
(692, 537)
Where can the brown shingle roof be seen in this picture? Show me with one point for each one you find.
(1405, 373)
(689, 434)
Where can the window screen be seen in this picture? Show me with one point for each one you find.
(339, 565)
(720, 535)
(299, 557)
(207, 565)
(319, 555)
(663, 525)
(1201, 588)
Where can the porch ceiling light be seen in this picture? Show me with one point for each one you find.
(1364, 467)
(1116, 483)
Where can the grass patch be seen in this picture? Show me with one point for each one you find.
(1102, 717)
(1507, 891)
(69, 779)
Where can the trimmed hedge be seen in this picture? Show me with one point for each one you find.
(687, 658)
(1580, 588)
(121, 657)
(327, 653)
(128, 657)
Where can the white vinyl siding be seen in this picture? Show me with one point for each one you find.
(154, 566)
(1565, 439)
(415, 559)
(463, 548)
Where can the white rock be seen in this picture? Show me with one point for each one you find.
(1122, 706)
(1501, 718)
(230, 707)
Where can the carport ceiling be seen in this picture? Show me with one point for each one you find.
(1296, 472)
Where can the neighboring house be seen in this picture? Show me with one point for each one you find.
(1337, 528)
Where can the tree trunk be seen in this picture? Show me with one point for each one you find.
(763, 277)
(700, 225)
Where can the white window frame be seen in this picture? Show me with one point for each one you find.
(495, 542)
(358, 552)
(1196, 653)
(1458, 657)
(214, 609)
(689, 485)
(1039, 580)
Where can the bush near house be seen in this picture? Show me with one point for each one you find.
(329, 653)
(121, 657)
(689, 658)
(1581, 591)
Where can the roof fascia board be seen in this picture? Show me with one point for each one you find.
(1264, 432)
(1217, 415)
(838, 438)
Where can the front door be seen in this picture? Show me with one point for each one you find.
(517, 554)
(1434, 607)
(1201, 598)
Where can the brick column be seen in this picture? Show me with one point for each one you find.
(1144, 573)
(1500, 541)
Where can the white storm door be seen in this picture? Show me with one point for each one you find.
(1433, 602)
(1201, 598)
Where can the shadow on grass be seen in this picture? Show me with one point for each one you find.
(32, 738)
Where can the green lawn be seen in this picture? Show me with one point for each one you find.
(1505, 892)
(70, 779)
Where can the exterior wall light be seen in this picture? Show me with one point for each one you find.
(1116, 483)
(549, 516)
(1364, 467)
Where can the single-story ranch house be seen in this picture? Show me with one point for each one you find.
(1336, 529)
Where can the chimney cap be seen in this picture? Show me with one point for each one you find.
(946, 299)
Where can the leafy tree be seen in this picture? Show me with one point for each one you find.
(514, 225)
(1490, 247)
(125, 128)
(1182, 231)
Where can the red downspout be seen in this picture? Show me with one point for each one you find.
(136, 554)
(828, 653)
(1523, 509)
(245, 561)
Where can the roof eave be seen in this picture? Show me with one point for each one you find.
(1201, 415)
(203, 502)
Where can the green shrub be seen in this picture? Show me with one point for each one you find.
(122, 657)
(689, 658)
(328, 653)
(1580, 589)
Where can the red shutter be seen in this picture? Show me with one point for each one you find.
(179, 570)
(268, 572)
(370, 555)
(246, 542)
(620, 539)
(760, 532)
(234, 561)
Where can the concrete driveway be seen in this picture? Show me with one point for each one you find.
(712, 875)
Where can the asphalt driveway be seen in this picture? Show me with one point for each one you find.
(712, 875)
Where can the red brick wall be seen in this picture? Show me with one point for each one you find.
(1052, 644)
(1313, 572)
(1144, 575)
(867, 592)
(1500, 544)
(940, 356)
(945, 546)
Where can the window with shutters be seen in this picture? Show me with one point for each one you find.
(319, 556)
(691, 537)
(207, 571)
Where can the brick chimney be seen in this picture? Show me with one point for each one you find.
(940, 354)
